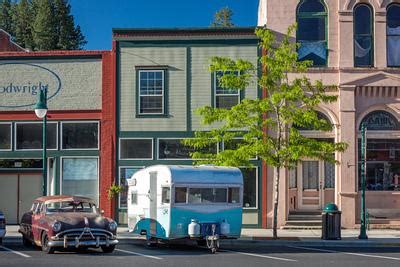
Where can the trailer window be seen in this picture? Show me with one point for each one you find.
(219, 195)
(207, 195)
(180, 194)
(134, 198)
(233, 195)
(165, 195)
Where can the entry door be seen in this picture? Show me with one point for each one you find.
(30, 187)
(310, 184)
(153, 203)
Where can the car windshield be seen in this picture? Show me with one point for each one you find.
(70, 206)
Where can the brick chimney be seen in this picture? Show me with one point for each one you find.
(7, 45)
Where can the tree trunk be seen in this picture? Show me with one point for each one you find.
(276, 202)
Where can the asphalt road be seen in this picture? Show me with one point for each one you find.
(135, 253)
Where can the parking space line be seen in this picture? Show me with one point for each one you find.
(259, 255)
(348, 253)
(15, 252)
(139, 254)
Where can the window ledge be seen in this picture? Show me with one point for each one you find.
(150, 116)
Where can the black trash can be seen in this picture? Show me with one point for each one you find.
(331, 222)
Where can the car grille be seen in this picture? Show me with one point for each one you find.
(89, 234)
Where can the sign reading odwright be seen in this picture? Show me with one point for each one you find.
(20, 83)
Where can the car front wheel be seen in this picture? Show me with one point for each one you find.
(108, 249)
(45, 245)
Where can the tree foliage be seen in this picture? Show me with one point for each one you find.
(223, 18)
(290, 101)
(41, 24)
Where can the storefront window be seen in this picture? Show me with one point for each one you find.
(136, 149)
(80, 135)
(174, 149)
(124, 174)
(80, 176)
(30, 136)
(383, 164)
(249, 187)
(5, 136)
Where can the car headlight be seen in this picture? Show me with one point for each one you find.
(57, 226)
(112, 226)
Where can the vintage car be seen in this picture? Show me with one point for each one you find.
(56, 222)
(2, 227)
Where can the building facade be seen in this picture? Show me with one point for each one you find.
(355, 45)
(162, 78)
(80, 127)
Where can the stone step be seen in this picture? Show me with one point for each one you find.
(304, 223)
(301, 227)
(300, 217)
(305, 212)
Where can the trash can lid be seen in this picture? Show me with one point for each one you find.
(330, 207)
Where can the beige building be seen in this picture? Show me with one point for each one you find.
(354, 44)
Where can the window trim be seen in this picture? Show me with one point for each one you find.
(314, 15)
(15, 128)
(11, 136)
(81, 157)
(136, 138)
(372, 35)
(177, 138)
(86, 149)
(214, 94)
(164, 94)
(387, 36)
(119, 182)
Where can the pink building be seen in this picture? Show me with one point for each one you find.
(354, 44)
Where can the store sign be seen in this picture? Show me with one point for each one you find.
(381, 120)
(20, 83)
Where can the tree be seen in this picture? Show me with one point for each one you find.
(289, 101)
(44, 30)
(223, 18)
(6, 22)
(22, 19)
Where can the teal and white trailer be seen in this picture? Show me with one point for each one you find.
(186, 202)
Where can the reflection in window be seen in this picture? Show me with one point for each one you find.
(80, 177)
(180, 194)
(175, 149)
(80, 135)
(30, 135)
(5, 136)
(311, 32)
(249, 187)
(124, 175)
(383, 164)
(393, 35)
(363, 40)
(224, 97)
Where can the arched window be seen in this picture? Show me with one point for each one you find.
(320, 115)
(380, 120)
(312, 31)
(363, 36)
(393, 35)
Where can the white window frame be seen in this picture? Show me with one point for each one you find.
(81, 157)
(119, 182)
(215, 91)
(162, 94)
(11, 136)
(35, 122)
(98, 135)
(136, 138)
(256, 207)
(177, 138)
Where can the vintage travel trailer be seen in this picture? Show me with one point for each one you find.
(203, 203)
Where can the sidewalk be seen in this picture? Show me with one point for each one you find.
(286, 237)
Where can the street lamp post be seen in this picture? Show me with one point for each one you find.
(363, 228)
(41, 113)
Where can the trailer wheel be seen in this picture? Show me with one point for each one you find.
(213, 250)
(151, 242)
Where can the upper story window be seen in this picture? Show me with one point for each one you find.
(393, 35)
(311, 32)
(225, 97)
(151, 92)
(363, 36)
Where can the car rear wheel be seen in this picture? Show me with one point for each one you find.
(108, 249)
(45, 245)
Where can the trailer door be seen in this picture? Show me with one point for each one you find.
(153, 204)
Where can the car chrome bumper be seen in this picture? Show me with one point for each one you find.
(82, 243)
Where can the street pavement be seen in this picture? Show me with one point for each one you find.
(255, 248)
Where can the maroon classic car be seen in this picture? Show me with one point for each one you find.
(67, 222)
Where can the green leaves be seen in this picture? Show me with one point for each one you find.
(291, 101)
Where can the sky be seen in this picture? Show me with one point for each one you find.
(97, 17)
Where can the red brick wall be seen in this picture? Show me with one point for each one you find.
(6, 44)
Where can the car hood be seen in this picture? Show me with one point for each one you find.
(72, 220)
